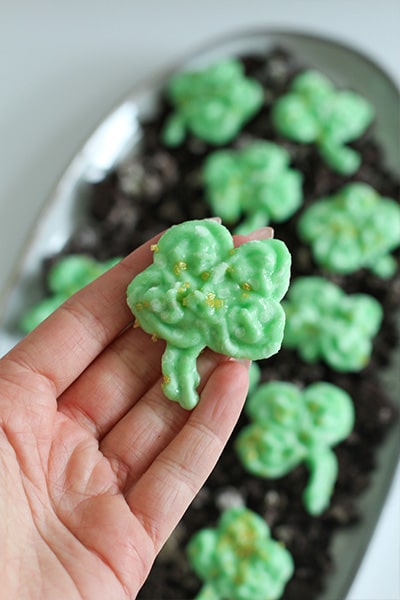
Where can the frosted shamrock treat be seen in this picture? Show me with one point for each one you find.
(213, 104)
(354, 228)
(256, 182)
(66, 277)
(323, 322)
(292, 426)
(239, 560)
(201, 291)
(313, 111)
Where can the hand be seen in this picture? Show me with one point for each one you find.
(97, 466)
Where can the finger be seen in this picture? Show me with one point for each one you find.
(136, 441)
(61, 347)
(117, 379)
(166, 489)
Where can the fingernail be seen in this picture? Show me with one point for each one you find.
(217, 219)
(264, 233)
(243, 361)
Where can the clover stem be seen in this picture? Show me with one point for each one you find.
(384, 266)
(341, 158)
(181, 377)
(323, 467)
(174, 130)
(208, 592)
(253, 221)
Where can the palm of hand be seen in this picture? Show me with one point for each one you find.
(97, 466)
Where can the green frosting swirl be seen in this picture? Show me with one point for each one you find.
(322, 322)
(201, 291)
(239, 560)
(291, 426)
(213, 104)
(255, 182)
(68, 275)
(313, 111)
(354, 228)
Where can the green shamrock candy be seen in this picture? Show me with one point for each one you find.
(291, 426)
(67, 276)
(313, 111)
(239, 560)
(213, 104)
(201, 291)
(256, 182)
(322, 322)
(354, 228)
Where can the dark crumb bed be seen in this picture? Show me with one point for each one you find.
(279, 501)
(162, 187)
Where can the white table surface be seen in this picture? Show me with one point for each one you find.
(63, 65)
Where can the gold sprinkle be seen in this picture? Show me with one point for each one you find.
(213, 301)
(184, 287)
(166, 380)
(246, 286)
(154, 337)
(232, 251)
(205, 275)
(136, 324)
(210, 299)
(180, 266)
(139, 306)
(154, 248)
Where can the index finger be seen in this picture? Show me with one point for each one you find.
(63, 346)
